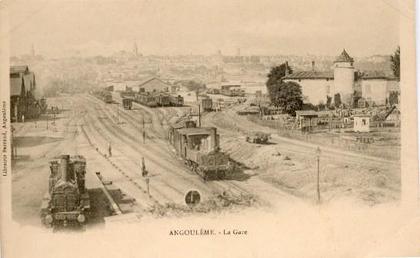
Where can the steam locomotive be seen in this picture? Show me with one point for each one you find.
(67, 200)
(199, 148)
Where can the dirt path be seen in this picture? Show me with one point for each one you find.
(290, 164)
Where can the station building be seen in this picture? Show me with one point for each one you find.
(22, 93)
(154, 84)
(344, 79)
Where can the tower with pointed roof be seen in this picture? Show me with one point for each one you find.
(344, 76)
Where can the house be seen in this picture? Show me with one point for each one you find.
(306, 119)
(22, 93)
(361, 123)
(376, 87)
(154, 85)
(372, 87)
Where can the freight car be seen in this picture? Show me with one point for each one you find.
(163, 99)
(232, 91)
(146, 99)
(158, 99)
(127, 93)
(199, 148)
(207, 104)
(104, 95)
(258, 137)
(67, 200)
(127, 103)
(107, 97)
(176, 101)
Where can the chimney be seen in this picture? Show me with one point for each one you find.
(313, 66)
(287, 68)
(64, 162)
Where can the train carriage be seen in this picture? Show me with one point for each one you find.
(176, 101)
(162, 99)
(207, 104)
(127, 103)
(107, 97)
(155, 99)
(145, 99)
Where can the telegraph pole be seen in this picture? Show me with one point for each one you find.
(199, 116)
(118, 114)
(318, 191)
(54, 117)
(144, 173)
(144, 132)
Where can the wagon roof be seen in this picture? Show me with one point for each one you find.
(196, 130)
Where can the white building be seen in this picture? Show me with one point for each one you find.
(345, 80)
(361, 123)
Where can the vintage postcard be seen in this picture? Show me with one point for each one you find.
(160, 128)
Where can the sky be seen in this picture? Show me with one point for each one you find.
(172, 27)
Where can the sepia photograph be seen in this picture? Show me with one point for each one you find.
(229, 115)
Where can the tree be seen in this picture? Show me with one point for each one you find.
(393, 98)
(329, 99)
(275, 78)
(337, 100)
(288, 97)
(321, 106)
(395, 63)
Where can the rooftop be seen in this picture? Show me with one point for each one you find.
(197, 131)
(306, 113)
(145, 81)
(371, 75)
(19, 69)
(344, 57)
(310, 75)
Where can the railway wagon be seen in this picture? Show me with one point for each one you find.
(107, 96)
(127, 103)
(232, 91)
(258, 137)
(146, 99)
(207, 104)
(127, 93)
(162, 99)
(176, 101)
(104, 95)
(199, 148)
(67, 200)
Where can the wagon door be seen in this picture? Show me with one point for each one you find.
(184, 145)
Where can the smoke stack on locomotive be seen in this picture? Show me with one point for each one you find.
(67, 200)
(199, 147)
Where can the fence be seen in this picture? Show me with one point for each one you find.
(324, 136)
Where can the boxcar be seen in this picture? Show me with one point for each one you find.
(176, 101)
(127, 103)
(207, 104)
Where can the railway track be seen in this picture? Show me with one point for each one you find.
(122, 166)
(219, 186)
(119, 169)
